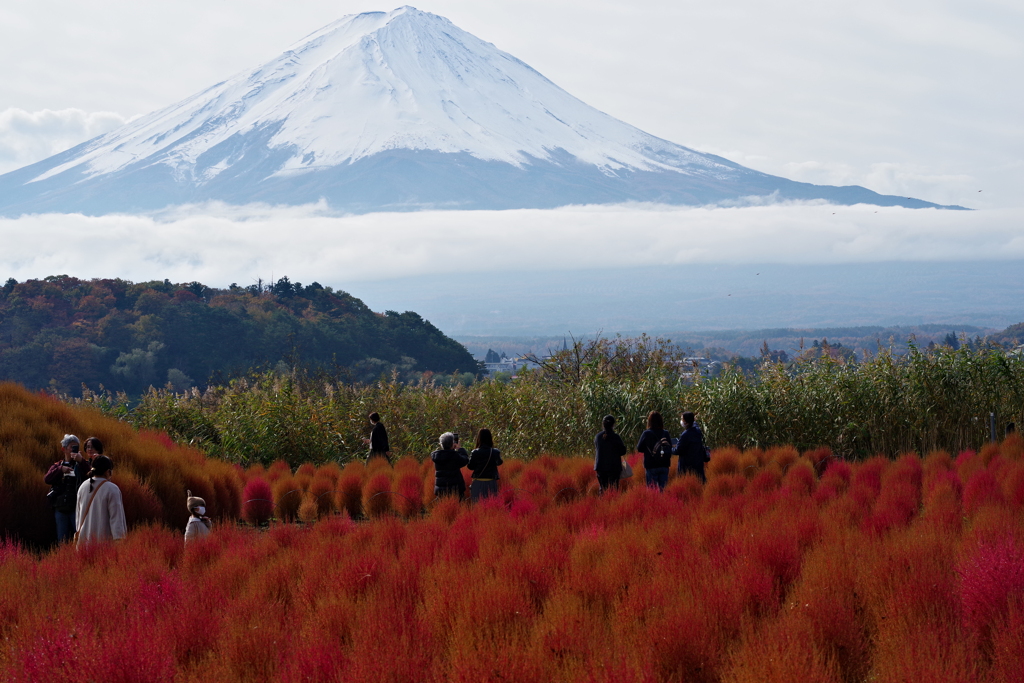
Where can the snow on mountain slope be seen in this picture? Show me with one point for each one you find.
(387, 110)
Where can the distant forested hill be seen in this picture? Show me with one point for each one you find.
(60, 332)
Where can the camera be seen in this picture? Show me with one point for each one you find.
(74, 448)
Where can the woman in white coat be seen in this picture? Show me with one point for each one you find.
(99, 514)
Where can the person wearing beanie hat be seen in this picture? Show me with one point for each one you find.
(198, 523)
(100, 512)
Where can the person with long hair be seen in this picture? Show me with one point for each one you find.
(483, 463)
(100, 512)
(608, 452)
(448, 464)
(656, 445)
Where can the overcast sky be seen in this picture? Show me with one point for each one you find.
(918, 97)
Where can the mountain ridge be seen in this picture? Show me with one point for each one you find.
(390, 111)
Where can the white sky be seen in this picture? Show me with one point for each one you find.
(918, 97)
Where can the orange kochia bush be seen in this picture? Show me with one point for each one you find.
(152, 472)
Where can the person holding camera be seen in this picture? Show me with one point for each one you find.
(483, 463)
(656, 445)
(448, 464)
(64, 477)
(691, 449)
(100, 512)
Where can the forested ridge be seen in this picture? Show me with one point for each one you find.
(60, 332)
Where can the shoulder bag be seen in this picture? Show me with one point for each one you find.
(88, 506)
(627, 470)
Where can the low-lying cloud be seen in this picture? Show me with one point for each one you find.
(30, 136)
(220, 244)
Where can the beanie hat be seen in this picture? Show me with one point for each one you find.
(194, 502)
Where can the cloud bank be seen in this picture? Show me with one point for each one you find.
(27, 137)
(219, 244)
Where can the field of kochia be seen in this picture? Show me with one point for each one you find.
(786, 566)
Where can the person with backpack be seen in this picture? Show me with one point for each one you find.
(608, 451)
(691, 449)
(656, 445)
(483, 463)
(64, 477)
(448, 464)
(100, 512)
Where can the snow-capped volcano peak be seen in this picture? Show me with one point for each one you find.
(387, 110)
(373, 82)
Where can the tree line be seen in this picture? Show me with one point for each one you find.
(61, 332)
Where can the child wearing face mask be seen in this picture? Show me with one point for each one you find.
(198, 523)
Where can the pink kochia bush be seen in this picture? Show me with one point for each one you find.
(784, 567)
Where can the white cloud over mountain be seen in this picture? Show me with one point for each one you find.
(218, 244)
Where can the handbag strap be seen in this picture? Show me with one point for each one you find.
(88, 506)
(490, 454)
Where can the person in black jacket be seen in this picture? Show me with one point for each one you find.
(483, 463)
(378, 441)
(690, 448)
(64, 478)
(656, 445)
(448, 464)
(608, 452)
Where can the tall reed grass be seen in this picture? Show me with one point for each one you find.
(922, 401)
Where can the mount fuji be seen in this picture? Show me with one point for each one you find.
(390, 111)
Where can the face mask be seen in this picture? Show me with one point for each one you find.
(200, 511)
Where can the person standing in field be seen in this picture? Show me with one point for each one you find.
(483, 463)
(656, 445)
(691, 449)
(448, 464)
(100, 513)
(93, 447)
(198, 523)
(608, 451)
(378, 441)
(64, 478)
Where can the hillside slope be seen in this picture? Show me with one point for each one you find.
(61, 332)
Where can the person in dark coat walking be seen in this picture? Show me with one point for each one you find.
(483, 463)
(608, 452)
(64, 477)
(378, 441)
(691, 449)
(448, 464)
(656, 445)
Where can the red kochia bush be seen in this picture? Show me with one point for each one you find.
(991, 581)
(258, 503)
(747, 579)
(377, 495)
